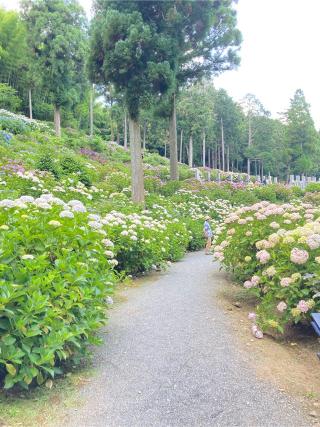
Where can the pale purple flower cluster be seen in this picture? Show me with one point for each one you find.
(299, 256)
(93, 155)
(303, 306)
(13, 166)
(263, 256)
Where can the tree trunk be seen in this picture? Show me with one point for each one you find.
(204, 150)
(174, 172)
(217, 157)
(191, 151)
(57, 121)
(30, 104)
(137, 183)
(209, 158)
(118, 137)
(249, 143)
(91, 112)
(144, 135)
(125, 136)
(228, 159)
(181, 145)
(222, 146)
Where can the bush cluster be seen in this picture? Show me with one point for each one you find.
(274, 250)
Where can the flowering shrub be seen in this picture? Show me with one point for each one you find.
(17, 123)
(140, 241)
(55, 276)
(274, 250)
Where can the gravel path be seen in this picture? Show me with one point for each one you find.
(170, 359)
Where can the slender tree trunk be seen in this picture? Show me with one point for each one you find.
(213, 160)
(144, 135)
(137, 183)
(30, 104)
(228, 159)
(191, 151)
(181, 146)
(118, 137)
(57, 120)
(165, 148)
(222, 146)
(174, 171)
(209, 158)
(249, 142)
(218, 158)
(204, 150)
(125, 136)
(91, 111)
(112, 133)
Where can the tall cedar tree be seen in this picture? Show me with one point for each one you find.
(130, 50)
(206, 39)
(57, 38)
(302, 137)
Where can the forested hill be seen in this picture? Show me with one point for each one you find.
(212, 128)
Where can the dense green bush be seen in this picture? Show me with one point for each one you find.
(47, 163)
(197, 241)
(169, 188)
(9, 98)
(54, 280)
(313, 187)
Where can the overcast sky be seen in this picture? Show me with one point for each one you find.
(279, 54)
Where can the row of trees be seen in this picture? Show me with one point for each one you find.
(153, 62)
(218, 132)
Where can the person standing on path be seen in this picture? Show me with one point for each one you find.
(207, 234)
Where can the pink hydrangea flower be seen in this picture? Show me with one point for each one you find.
(282, 306)
(299, 256)
(313, 241)
(286, 281)
(263, 256)
(303, 306)
(248, 284)
(255, 280)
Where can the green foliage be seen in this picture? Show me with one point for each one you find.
(8, 98)
(302, 137)
(13, 49)
(313, 187)
(119, 31)
(47, 163)
(170, 188)
(54, 280)
(58, 52)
